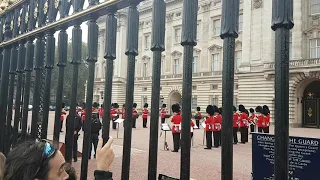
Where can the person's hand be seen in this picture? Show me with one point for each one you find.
(105, 155)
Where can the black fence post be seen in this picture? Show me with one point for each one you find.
(2, 23)
(110, 56)
(5, 80)
(189, 40)
(157, 46)
(131, 52)
(93, 30)
(282, 22)
(229, 32)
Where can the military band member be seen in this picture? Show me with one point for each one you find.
(135, 115)
(252, 120)
(266, 113)
(145, 113)
(217, 121)
(176, 120)
(259, 119)
(209, 123)
(197, 117)
(163, 113)
(243, 121)
(236, 123)
(113, 115)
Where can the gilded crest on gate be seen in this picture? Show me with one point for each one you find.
(310, 95)
(309, 111)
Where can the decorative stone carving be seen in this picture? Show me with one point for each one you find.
(176, 54)
(170, 17)
(163, 57)
(206, 6)
(257, 4)
(145, 58)
(216, 2)
(141, 23)
(215, 47)
(313, 32)
(196, 50)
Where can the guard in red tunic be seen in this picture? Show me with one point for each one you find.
(209, 126)
(176, 120)
(259, 119)
(246, 134)
(113, 115)
(217, 121)
(163, 113)
(192, 127)
(145, 113)
(243, 123)
(101, 111)
(251, 120)
(266, 114)
(83, 112)
(197, 117)
(63, 113)
(236, 123)
(135, 115)
(123, 113)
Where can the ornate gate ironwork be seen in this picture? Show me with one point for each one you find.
(27, 30)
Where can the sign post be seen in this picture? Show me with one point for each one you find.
(304, 157)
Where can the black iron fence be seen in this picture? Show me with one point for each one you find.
(27, 44)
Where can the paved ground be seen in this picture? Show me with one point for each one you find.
(169, 162)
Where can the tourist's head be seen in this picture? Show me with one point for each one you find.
(71, 172)
(35, 160)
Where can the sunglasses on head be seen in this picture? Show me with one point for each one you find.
(48, 152)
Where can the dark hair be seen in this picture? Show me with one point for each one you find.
(71, 172)
(26, 162)
(210, 110)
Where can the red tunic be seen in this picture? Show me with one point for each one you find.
(123, 113)
(251, 118)
(134, 112)
(260, 120)
(113, 113)
(101, 112)
(83, 114)
(191, 125)
(199, 114)
(243, 119)
(217, 121)
(163, 113)
(63, 113)
(266, 120)
(209, 122)
(235, 120)
(176, 120)
(145, 113)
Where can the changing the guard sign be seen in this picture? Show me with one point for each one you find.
(304, 157)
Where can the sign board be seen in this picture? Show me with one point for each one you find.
(203, 124)
(165, 127)
(304, 157)
(119, 121)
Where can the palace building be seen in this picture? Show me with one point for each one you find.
(254, 58)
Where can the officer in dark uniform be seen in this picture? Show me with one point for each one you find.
(77, 127)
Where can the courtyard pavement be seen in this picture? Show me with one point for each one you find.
(205, 164)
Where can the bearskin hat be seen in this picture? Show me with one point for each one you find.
(115, 105)
(220, 110)
(134, 105)
(234, 109)
(123, 105)
(247, 112)
(112, 105)
(259, 109)
(215, 109)
(145, 105)
(175, 108)
(210, 110)
(164, 105)
(242, 108)
(95, 105)
(198, 108)
(63, 104)
(251, 110)
(265, 110)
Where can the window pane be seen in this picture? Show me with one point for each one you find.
(177, 34)
(240, 22)
(194, 64)
(194, 103)
(315, 7)
(313, 43)
(238, 58)
(318, 52)
(216, 27)
(215, 62)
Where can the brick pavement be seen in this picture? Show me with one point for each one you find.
(169, 162)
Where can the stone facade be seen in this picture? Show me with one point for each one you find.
(254, 62)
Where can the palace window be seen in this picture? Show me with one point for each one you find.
(216, 27)
(238, 55)
(240, 22)
(177, 35)
(144, 99)
(144, 70)
(198, 31)
(194, 103)
(146, 42)
(314, 48)
(235, 100)
(315, 7)
(215, 62)
(194, 64)
(176, 66)
(214, 100)
(290, 46)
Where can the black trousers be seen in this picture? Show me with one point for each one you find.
(144, 123)
(134, 122)
(61, 125)
(176, 141)
(209, 139)
(217, 138)
(252, 127)
(260, 129)
(75, 146)
(235, 135)
(246, 134)
(114, 124)
(198, 123)
(266, 129)
(243, 134)
(94, 142)
(163, 120)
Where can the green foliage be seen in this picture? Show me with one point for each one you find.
(68, 77)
